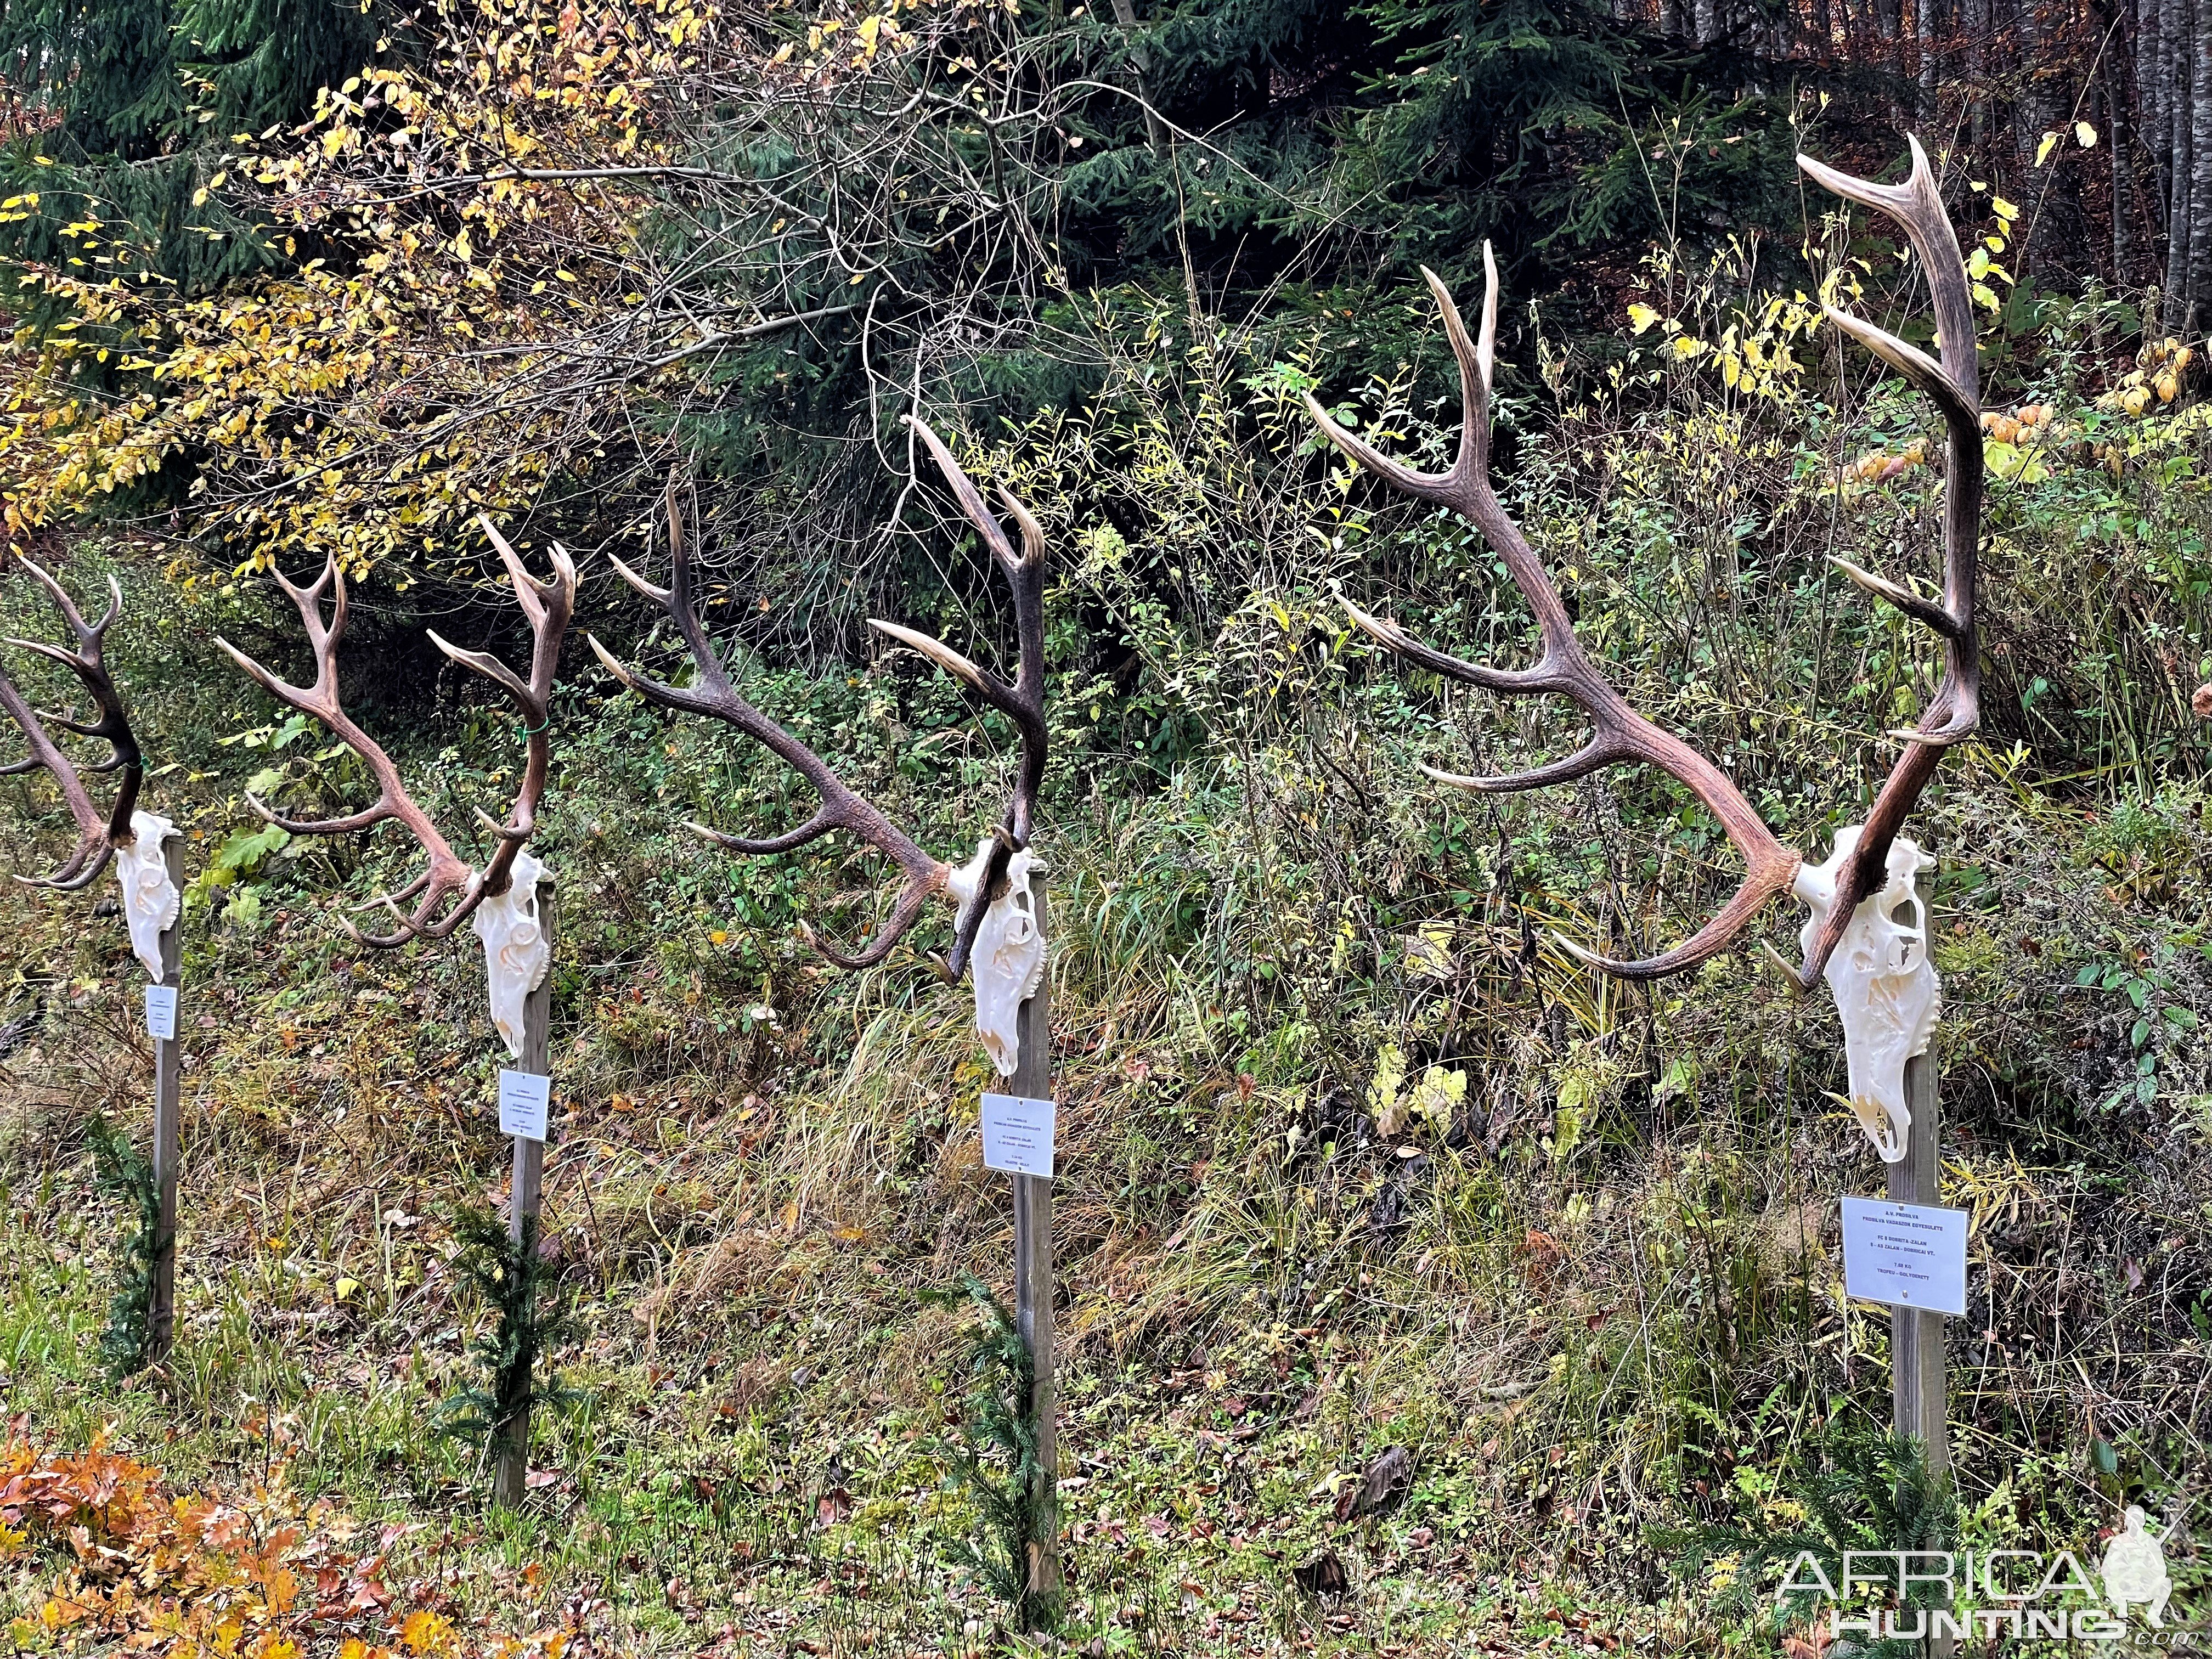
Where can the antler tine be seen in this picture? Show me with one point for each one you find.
(812, 831)
(914, 897)
(1385, 632)
(1022, 702)
(95, 847)
(1954, 385)
(97, 838)
(712, 693)
(548, 606)
(1469, 472)
(1621, 734)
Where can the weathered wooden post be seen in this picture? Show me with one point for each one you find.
(1917, 1380)
(999, 915)
(1859, 938)
(512, 1435)
(1033, 1278)
(169, 1067)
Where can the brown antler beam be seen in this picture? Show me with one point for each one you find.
(1954, 385)
(97, 838)
(713, 694)
(1621, 736)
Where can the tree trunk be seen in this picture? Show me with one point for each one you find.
(2115, 137)
(2176, 30)
(2149, 64)
(2198, 306)
(1927, 15)
(1981, 18)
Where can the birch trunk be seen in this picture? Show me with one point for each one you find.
(2115, 137)
(2198, 304)
(2176, 28)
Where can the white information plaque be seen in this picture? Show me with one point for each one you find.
(524, 1100)
(161, 1011)
(1910, 1256)
(1017, 1135)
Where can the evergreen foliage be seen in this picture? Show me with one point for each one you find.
(126, 1176)
(996, 1455)
(122, 108)
(1857, 1490)
(528, 1323)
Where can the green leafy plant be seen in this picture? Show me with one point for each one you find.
(1858, 1490)
(996, 1456)
(2147, 986)
(529, 1324)
(126, 1175)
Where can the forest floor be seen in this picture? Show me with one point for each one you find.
(755, 1459)
(758, 1455)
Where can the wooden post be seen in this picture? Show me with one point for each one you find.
(1917, 1377)
(1033, 1281)
(507, 1486)
(169, 1062)
(1915, 1335)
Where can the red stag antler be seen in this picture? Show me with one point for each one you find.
(97, 838)
(548, 606)
(712, 693)
(1621, 734)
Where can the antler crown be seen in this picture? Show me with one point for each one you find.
(97, 838)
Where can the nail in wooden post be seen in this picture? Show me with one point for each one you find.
(514, 1438)
(1033, 1281)
(168, 1060)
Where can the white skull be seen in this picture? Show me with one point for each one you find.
(517, 953)
(151, 899)
(1008, 960)
(1884, 983)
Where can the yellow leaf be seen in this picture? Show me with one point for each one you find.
(2043, 147)
(344, 1288)
(1643, 317)
(2085, 134)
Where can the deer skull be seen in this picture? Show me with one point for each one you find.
(517, 953)
(1884, 983)
(1008, 960)
(151, 899)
